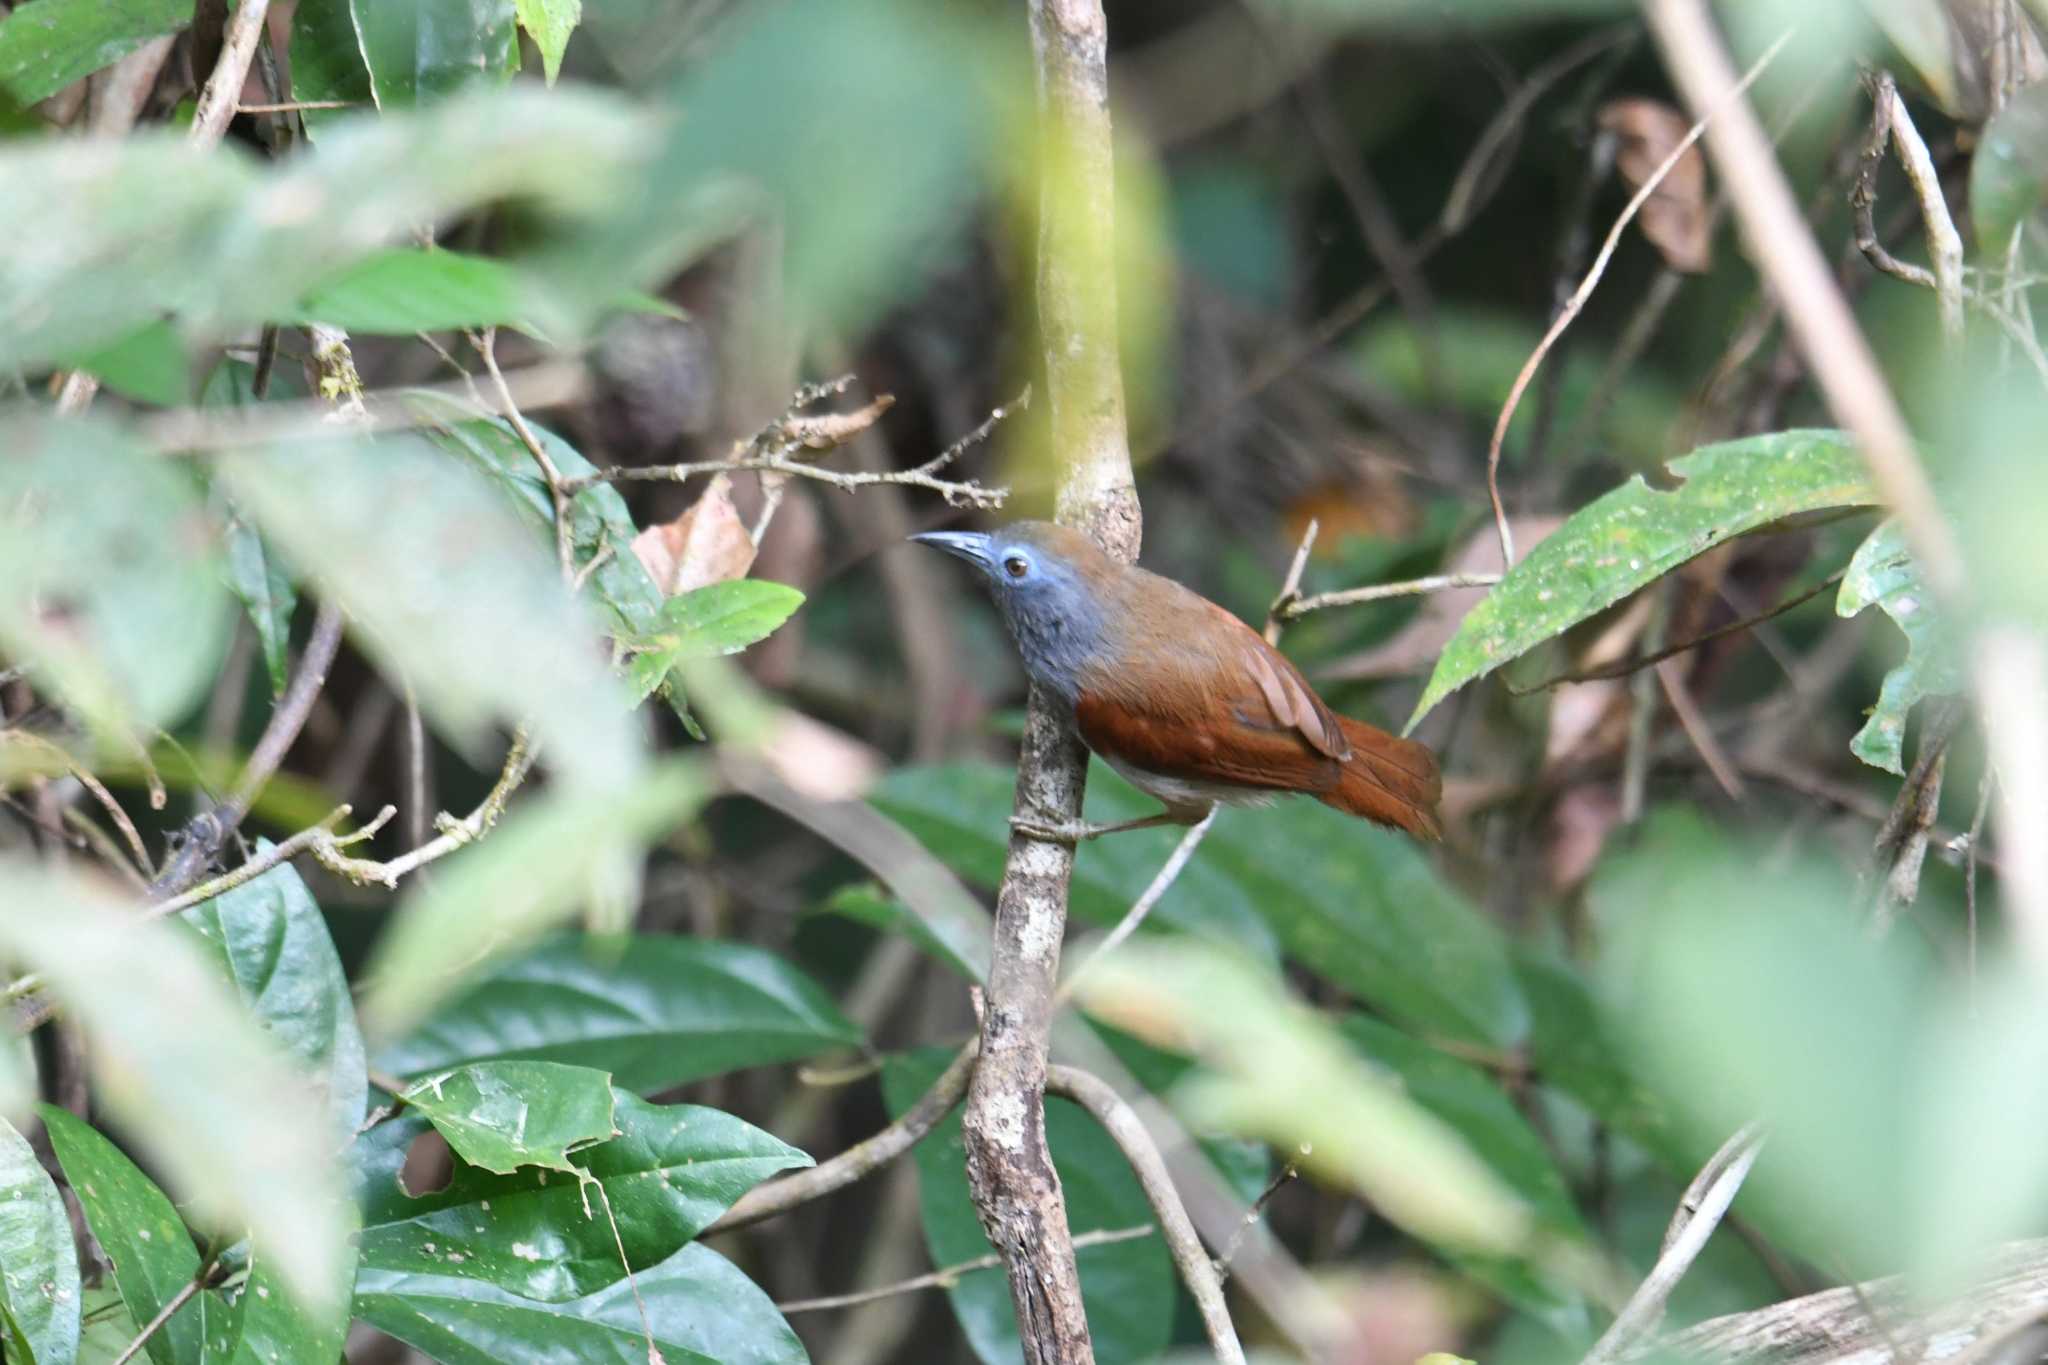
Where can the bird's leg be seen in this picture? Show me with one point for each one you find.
(1079, 831)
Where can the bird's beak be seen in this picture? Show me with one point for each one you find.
(972, 546)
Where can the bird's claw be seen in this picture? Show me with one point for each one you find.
(1050, 831)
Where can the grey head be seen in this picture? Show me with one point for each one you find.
(1049, 583)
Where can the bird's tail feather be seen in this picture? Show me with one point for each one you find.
(1389, 780)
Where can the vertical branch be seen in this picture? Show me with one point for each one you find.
(1016, 1191)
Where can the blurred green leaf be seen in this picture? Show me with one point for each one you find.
(274, 943)
(703, 1312)
(2008, 169)
(327, 60)
(446, 590)
(129, 230)
(718, 618)
(106, 1328)
(417, 49)
(544, 860)
(669, 1174)
(45, 45)
(1707, 986)
(108, 584)
(1360, 906)
(182, 1067)
(266, 593)
(1128, 1288)
(1272, 1069)
(265, 1326)
(1476, 1108)
(1635, 535)
(505, 1114)
(148, 365)
(1457, 14)
(141, 1233)
(39, 1303)
(403, 290)
(1246, 1166)
(550, 22)
(1883, 572)
(656, 1012)
(1920, 30)
(951, 943)
(803, 112)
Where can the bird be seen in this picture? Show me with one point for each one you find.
(1185, 701)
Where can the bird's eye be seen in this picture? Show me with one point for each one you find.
(1016, 566)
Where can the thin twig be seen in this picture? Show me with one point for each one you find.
(864, 1158)
(486, 344)
(952, 1274)
(1287, 1172)
(454, 833)
(1141, 907)
(93, 785)
(1622, 668)
(211, 829)
(1380, 592)
(1694, 722)
(297, 106)
(1290, 587)
(1944, 243)
(774, 456)
(1572, 306)
(1125, 1128)
(1700, 1211)
(169, 1310)
(1863, 195)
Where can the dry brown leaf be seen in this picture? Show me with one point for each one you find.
(826, 430)
(1674, 217)
(818, 760)
(708, 543)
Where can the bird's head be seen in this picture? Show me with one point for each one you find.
(1049, 582)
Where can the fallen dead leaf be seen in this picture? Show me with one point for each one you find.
(708, 543)
(1674, 217)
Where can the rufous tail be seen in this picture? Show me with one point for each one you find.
(1389, 780)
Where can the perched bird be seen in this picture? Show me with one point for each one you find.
(1183, 699)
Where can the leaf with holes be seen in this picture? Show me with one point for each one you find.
(671, 1171)
(507, 1114)
(38, 1264)
(1635, 535)
(1883, 572)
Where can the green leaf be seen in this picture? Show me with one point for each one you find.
(1361, 906)
(141, 1233)
(180, 1065)
(669, 1174)
(412, 289)
(265, 1326)
(2008, 169)
(1883, 571)
(1635, 535)
(273, 941)
(148, 365)
(106, 1327)
(266, 593)
(47, 44)
(656, 1012)
(1475, 1107)
(108, 588)
(327, 60)
(553, 853)
(418, 49)
(1128, 1288)
(702, 1309)
(39, 1302)
(550, 22)
(446, 589)
(1273, 1069)
(130, 230)
(718, 618)
(503, 1115)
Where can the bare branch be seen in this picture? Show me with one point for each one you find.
(1380, 592)
(486, 344)
(1197, 1271)
(1141, 907)
(1700, 1211)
